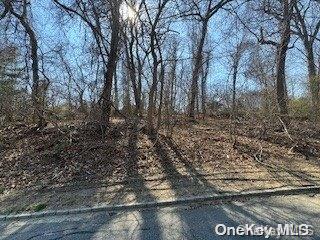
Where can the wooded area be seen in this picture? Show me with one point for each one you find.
(130, 61)
(86, 83)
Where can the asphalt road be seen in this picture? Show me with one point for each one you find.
(185, 222)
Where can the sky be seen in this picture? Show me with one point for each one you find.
(51, 34)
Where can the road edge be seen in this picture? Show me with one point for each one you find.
(169, 203)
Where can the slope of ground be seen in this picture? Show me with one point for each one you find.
(73, 164)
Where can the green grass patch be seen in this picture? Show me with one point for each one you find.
(39, 207)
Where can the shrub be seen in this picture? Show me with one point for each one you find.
(39, 207)
(300, 108)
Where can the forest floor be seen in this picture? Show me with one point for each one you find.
(72, 164)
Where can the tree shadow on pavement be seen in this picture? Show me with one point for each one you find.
(197, 222)
(139, 188)
(63, 227)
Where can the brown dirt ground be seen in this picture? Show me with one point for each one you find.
(73, 164)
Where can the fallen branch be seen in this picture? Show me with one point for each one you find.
(288, 134)
(285, 129)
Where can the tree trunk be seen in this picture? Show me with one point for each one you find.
(116, 92)
(111, 65)
(196, 70)
(234, 89)
(83, 106)
(133, 76)
(36, 95)
(282, 97)
(153, 89)
(308, 36)
(161, 96)
(204, 87)
(126, 90)
(139, 89)
(139, 78)
(313, 78)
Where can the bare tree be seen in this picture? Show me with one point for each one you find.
(236, 56)
(154, 18)
(19, 10)
(204, 79)
(111, 65)
(261, 69)
(201, 11)
(134, 56)
(308, 30)
(91, 13)
(284, 17)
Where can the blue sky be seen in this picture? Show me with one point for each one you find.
(51, 34)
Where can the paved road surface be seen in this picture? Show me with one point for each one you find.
(191, 222)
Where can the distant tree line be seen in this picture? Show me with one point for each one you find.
(155, 59)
